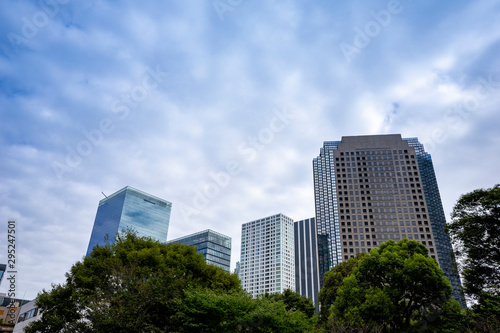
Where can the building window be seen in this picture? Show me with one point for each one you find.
(27, 315)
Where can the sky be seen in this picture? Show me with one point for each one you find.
(220, 106)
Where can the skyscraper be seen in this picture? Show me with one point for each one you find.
(130, 208)
(267, 263)
(215, 247)
(237, 269)
(306, 259)
(369, 189)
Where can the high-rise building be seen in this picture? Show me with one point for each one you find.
(130, 208)
(237, 269)
(215, 247)
(267, 263)
(306, 260)
(369, 189)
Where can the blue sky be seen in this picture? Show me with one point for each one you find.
(220, 107)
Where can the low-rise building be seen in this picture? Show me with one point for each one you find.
(28, 313)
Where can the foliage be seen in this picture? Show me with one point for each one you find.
(475, 233)
(294, 302)
(333, 280)
(485, 318)
(489, 303)
(133, 285)
(477, 322)
(204, 310)
(481, 324)
(397, 288)
(140, 285)
(345, 327)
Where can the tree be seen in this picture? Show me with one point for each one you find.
(133, 285)
(205, 310)
(333, 280)
(397, 288)
(294, 302)
(475, 233)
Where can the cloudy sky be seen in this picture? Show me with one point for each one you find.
(219, 106)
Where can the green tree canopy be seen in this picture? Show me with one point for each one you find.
(396, 288)
(133, 285)
(294, 302)
(207, 311)
(332, 282)
(475, 233)
(140, 285)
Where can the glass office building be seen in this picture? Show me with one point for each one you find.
(306, 260)
(325, 198)
(437, 217)
(132, 209)
(215, 247)
(369, 189)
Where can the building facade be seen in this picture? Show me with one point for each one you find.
(215, 247)
(9, 312)
(306, 259)
(28, 313)
(237, 269)
(130, 208)
(267, 263)
(369, 189)
(326, 209)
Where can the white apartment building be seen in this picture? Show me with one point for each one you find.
(267, 262)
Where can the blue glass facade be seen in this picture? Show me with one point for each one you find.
(323, 256)
(130, 208)
(437, 218)
(325, 197)
(215, 247)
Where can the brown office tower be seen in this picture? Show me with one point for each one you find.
(369, 189)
